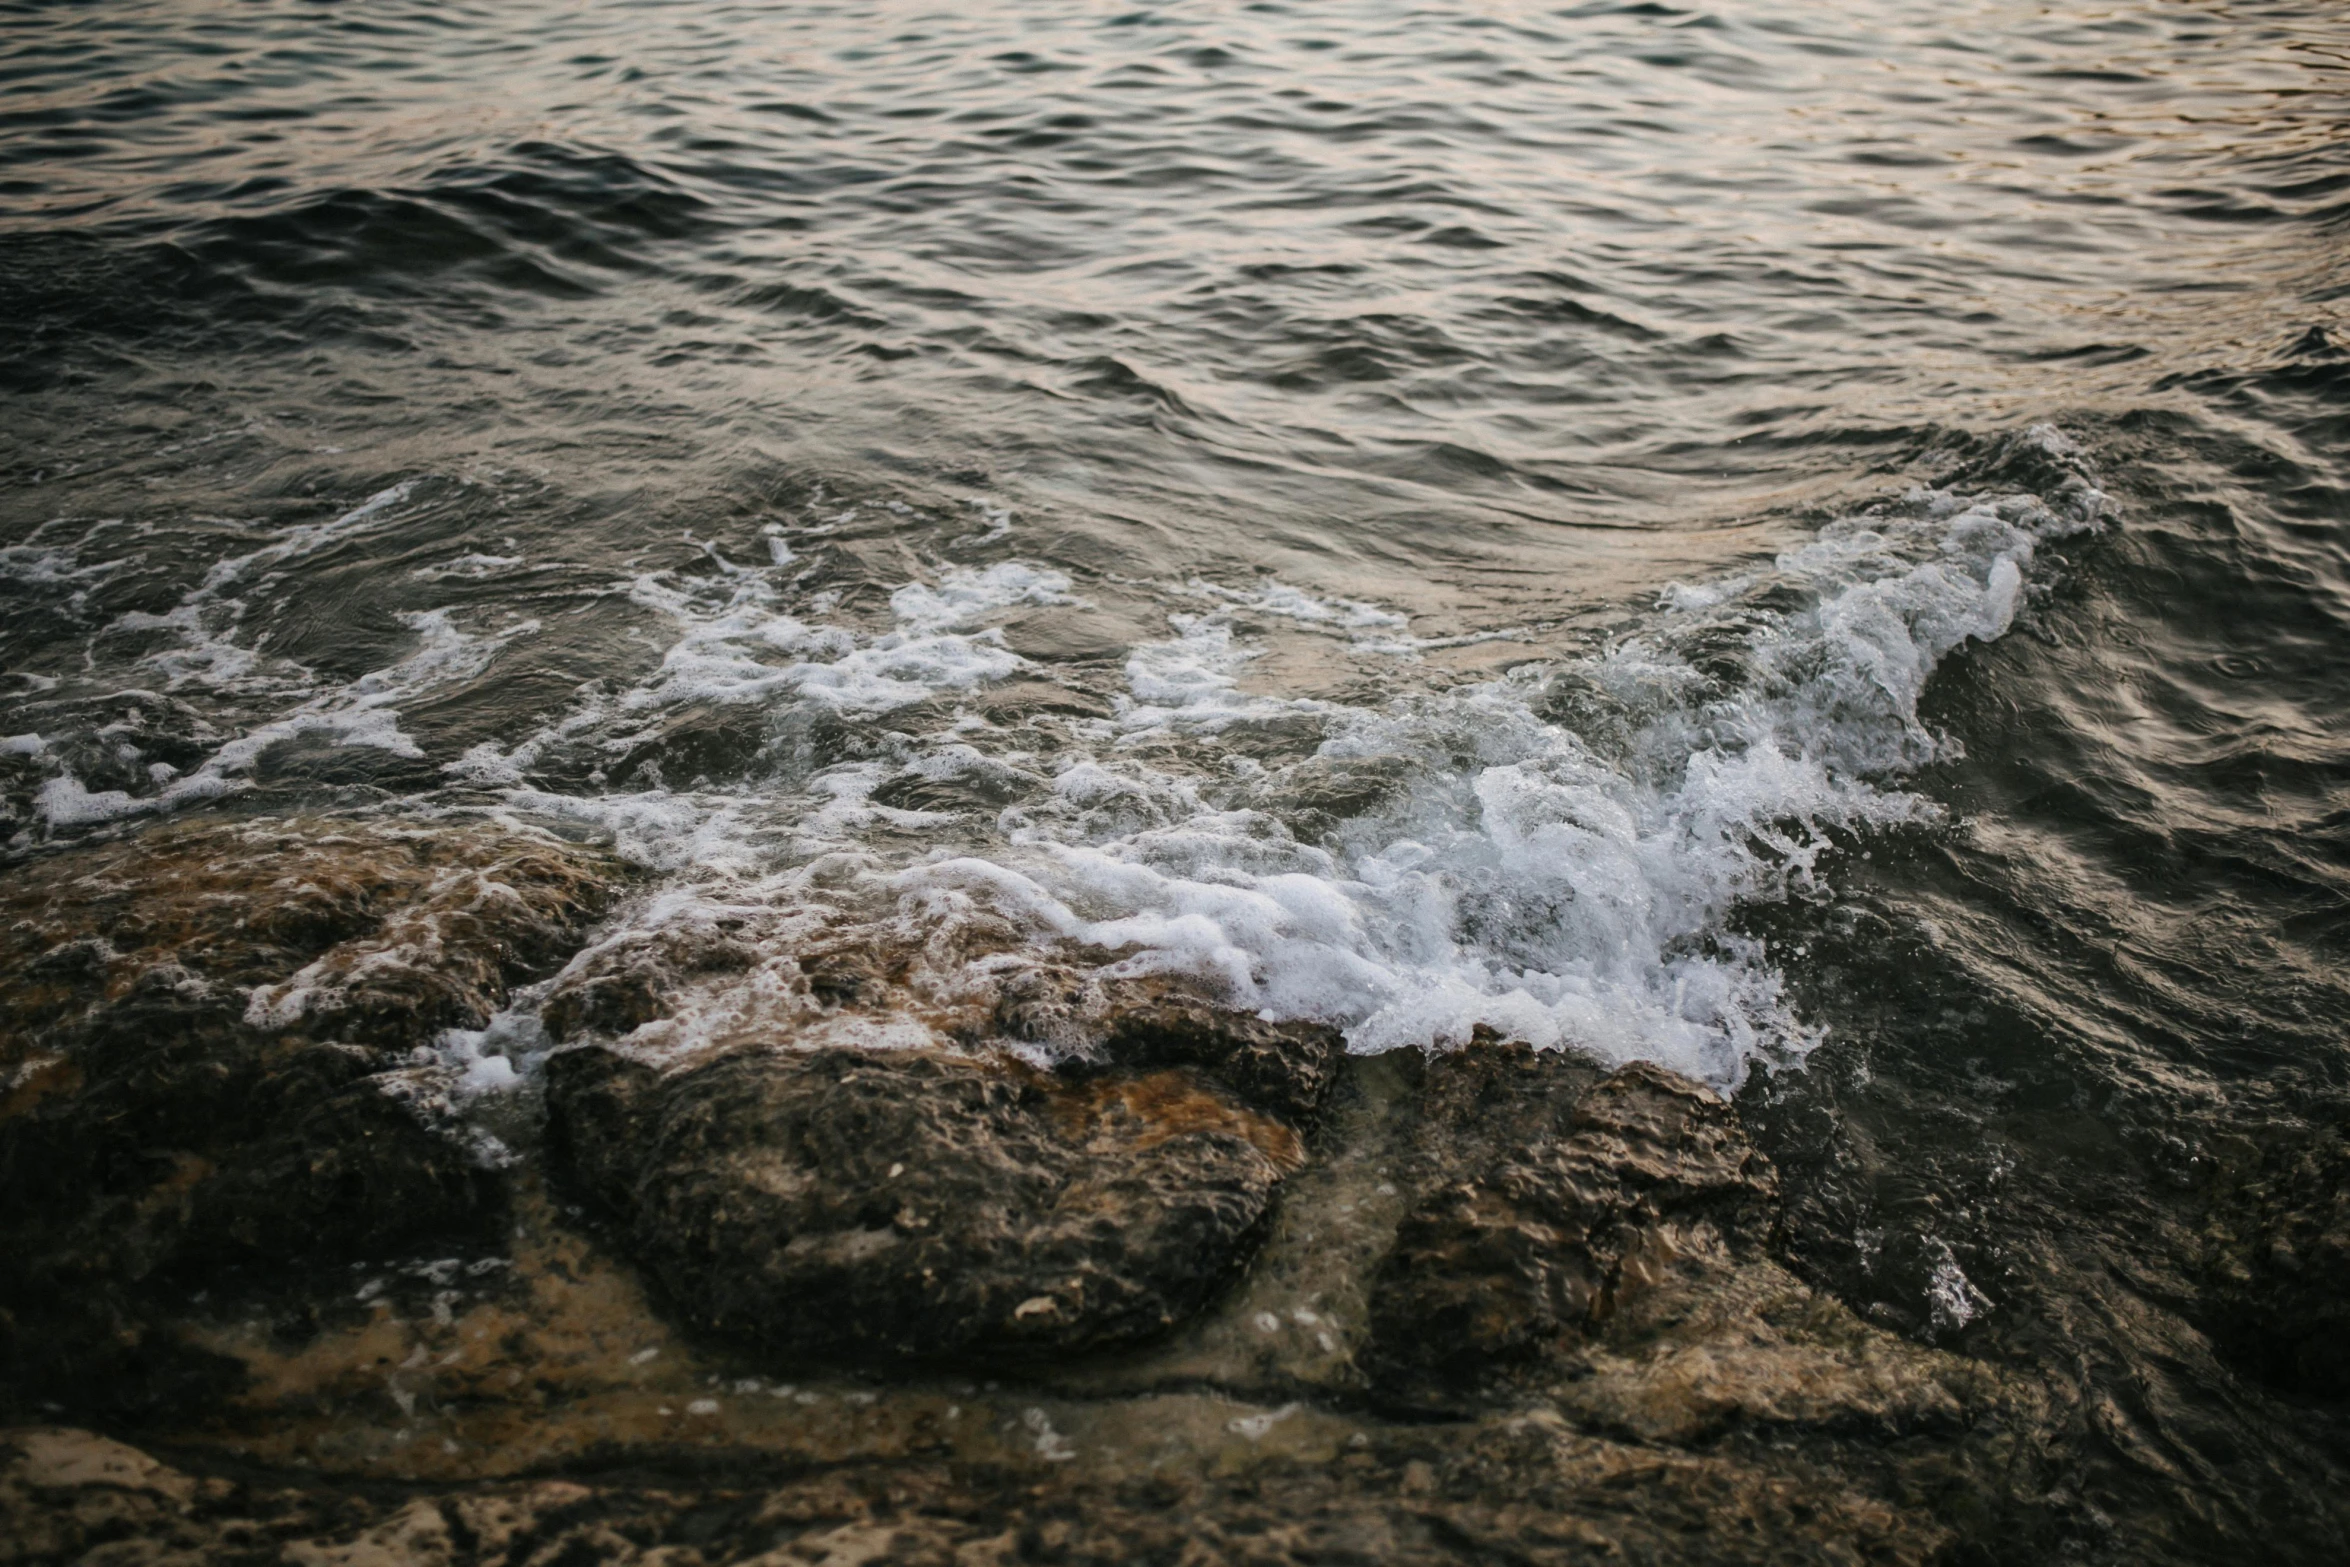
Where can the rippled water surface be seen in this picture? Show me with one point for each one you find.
(1806, 542)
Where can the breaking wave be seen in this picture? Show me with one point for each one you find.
(1555, 854)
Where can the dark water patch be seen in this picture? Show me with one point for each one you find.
(2068, 1024)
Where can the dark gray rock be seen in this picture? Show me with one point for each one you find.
(1529, 1253)
(909, 1206)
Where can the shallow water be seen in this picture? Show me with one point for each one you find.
(1801, 542)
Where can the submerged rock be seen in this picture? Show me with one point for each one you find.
(1520, 1489)
(912, 1206)
(1543, 1246)
(1604, 1244)
(907, 1205)
(1507, 1490)
(207, 1031)
(2279, 1256)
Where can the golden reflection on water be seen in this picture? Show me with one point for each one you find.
(1430, 298)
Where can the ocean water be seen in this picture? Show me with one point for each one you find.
(1806, 543)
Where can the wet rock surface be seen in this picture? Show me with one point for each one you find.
(1608, 1255)
(207, 1030)
(1106, 1272)
(1521, 1489)
(1542, 1247)
(2279, 1255)
(368, 931)
(1287, 1068)
(905, 1205)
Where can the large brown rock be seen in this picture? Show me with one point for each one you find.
(1285, 1067)
(903, 1205)
(206, 1030)
(370, 932)
(1603, 1245)
(1539, 1248)
(974, 979)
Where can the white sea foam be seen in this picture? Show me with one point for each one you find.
(202, 645)
(363, 713)
(293, 543)
(466, 568)
(491, 1059)
(964, 595)
(737, 646)
(1365, 627)
(1191, 683)
(708, 834)
(50, 565)
(1565, 888)
(1289, 602)
(1952, 1301)
(1558, 857)
(201, 648)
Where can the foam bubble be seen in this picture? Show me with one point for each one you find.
(964, 595)
(711, 834)
(491, 1059)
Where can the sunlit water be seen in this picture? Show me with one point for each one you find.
(1801, 541)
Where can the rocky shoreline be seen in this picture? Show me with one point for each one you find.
(1190, 1287)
